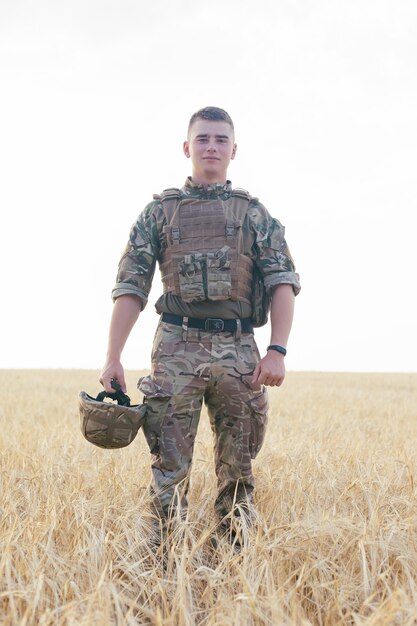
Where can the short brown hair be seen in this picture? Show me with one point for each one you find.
(211, 113)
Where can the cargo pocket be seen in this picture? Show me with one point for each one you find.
(259, 418)
(190, 274)
(219, 281)
(156, 399)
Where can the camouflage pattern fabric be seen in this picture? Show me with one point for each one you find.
(203, 277)
(109, 425)
(264, 242)
(190, 366)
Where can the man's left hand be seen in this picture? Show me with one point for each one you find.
(270, 370)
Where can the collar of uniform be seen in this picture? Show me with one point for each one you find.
(208, 192)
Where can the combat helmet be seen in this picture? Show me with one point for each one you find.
(109, 424)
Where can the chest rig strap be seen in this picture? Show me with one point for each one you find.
(171, 200)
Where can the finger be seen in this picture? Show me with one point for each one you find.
(264, 379)
(272, 381)
(121, 381)
(106, 382)
(276, 382)
(256, 373)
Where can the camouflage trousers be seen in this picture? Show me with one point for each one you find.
(190, 366)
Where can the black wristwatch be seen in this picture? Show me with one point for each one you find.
(277, 348)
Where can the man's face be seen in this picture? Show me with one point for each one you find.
(210, 146)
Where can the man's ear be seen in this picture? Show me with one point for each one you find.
(233, 151)
(186, 149)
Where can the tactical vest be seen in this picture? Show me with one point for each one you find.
(204, 259)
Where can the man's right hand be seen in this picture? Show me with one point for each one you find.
(113, 370)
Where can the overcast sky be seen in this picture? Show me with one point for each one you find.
(95, 100)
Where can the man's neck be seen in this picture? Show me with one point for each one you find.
(205, 181)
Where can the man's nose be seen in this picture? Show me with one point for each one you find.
(211, 146)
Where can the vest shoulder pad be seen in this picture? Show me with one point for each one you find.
(170, 200)
(241, 193)
(168, 194)
(171, 193)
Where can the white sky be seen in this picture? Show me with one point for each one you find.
(95, 101)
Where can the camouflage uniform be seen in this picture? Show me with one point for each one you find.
(191, 365)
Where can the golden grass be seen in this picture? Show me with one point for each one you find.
(337, 542)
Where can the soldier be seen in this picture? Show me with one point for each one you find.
(223, 260)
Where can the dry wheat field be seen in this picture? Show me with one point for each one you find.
(336, 542)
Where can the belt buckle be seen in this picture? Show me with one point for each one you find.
(213, 324)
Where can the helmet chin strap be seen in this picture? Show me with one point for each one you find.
(118, 395)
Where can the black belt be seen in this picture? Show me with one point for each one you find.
(210, 324)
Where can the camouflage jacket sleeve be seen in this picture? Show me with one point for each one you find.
(138, 261)
(270, 250)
